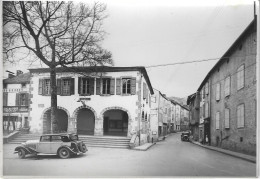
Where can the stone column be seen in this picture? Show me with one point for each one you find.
(72, 125)
(99, 127)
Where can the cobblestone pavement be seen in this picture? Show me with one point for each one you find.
(167, 158)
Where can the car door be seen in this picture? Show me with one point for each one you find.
(56, 142)
(44, 146)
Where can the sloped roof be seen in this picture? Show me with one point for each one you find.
(250, 27)
(23, 78)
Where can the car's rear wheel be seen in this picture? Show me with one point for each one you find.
(21, 153)
(64, 153)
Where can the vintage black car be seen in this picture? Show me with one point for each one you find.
(185, 136)
(64, 145)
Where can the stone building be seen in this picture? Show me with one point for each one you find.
(93, 101)
(161, 115)
(16, 102)
(194, 105)
(231, 95)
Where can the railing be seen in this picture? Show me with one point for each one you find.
(15, 109)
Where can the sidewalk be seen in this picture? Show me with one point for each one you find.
(228, 152)
(144, 147)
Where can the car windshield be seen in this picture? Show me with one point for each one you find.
(74, 137)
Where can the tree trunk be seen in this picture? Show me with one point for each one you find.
(54, 122)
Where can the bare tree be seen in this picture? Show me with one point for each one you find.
(58, 34)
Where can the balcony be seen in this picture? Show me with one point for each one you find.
(16, 109)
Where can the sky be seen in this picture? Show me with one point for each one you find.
(146, 33)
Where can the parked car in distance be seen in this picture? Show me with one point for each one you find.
(64, 145)
(185, 136)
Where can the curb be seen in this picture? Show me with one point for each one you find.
(145, 148)
(249, 158)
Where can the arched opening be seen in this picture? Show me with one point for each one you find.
(62, 119)
(85, 122)
(115, 122)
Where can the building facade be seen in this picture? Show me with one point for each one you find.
(16, 102)
(232, 96)
(93, 101)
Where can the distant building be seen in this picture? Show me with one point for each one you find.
(16, 102)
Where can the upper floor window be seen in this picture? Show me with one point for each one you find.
(126, 88)
(217, 119)
(227, 86)
(240, 77)
(206, 109)
(66, 87)
(227, 117)
(106, 86)
(22, 99)
(240, 115)
(47, 86)
(218, 91)
(86, 86)
(207, 88)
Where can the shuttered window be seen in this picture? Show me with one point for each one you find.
(217, 119)
(46, 86)
(206, 109)
(227, 117)
(240, 77)
(241, 116)
(227, 86)
(86, 86)
(144, 91)
(65, 86)
(22, 99)
(218, 91)
(5, 98)
(105, 85)
(126, 86)
(207, 88)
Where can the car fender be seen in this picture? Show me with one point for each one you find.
(65, 146)
(27, 150)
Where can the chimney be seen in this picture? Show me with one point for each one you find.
(18, 72)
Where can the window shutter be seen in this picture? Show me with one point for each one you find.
(226, 118)
(217, 91)
(17, 99)
(207, 110)
(133, 86)
(227, 86)
(5, 97)
(98, 86)
(92, 85)
(79, 85)
(72, 90)
(40, 87)
(217, 120)
(144, 91)
(58, 86)
(26, 99)
(118, 86)
(112, 86)
(207, 88)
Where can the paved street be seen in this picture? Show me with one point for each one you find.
(167, 158)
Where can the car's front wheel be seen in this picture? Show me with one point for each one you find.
(84, 148)
(64, 153)
(21, 153)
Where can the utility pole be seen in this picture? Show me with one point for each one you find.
(257, 13)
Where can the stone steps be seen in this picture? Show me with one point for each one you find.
(90, 141)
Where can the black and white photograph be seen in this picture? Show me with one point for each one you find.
(130, 88)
